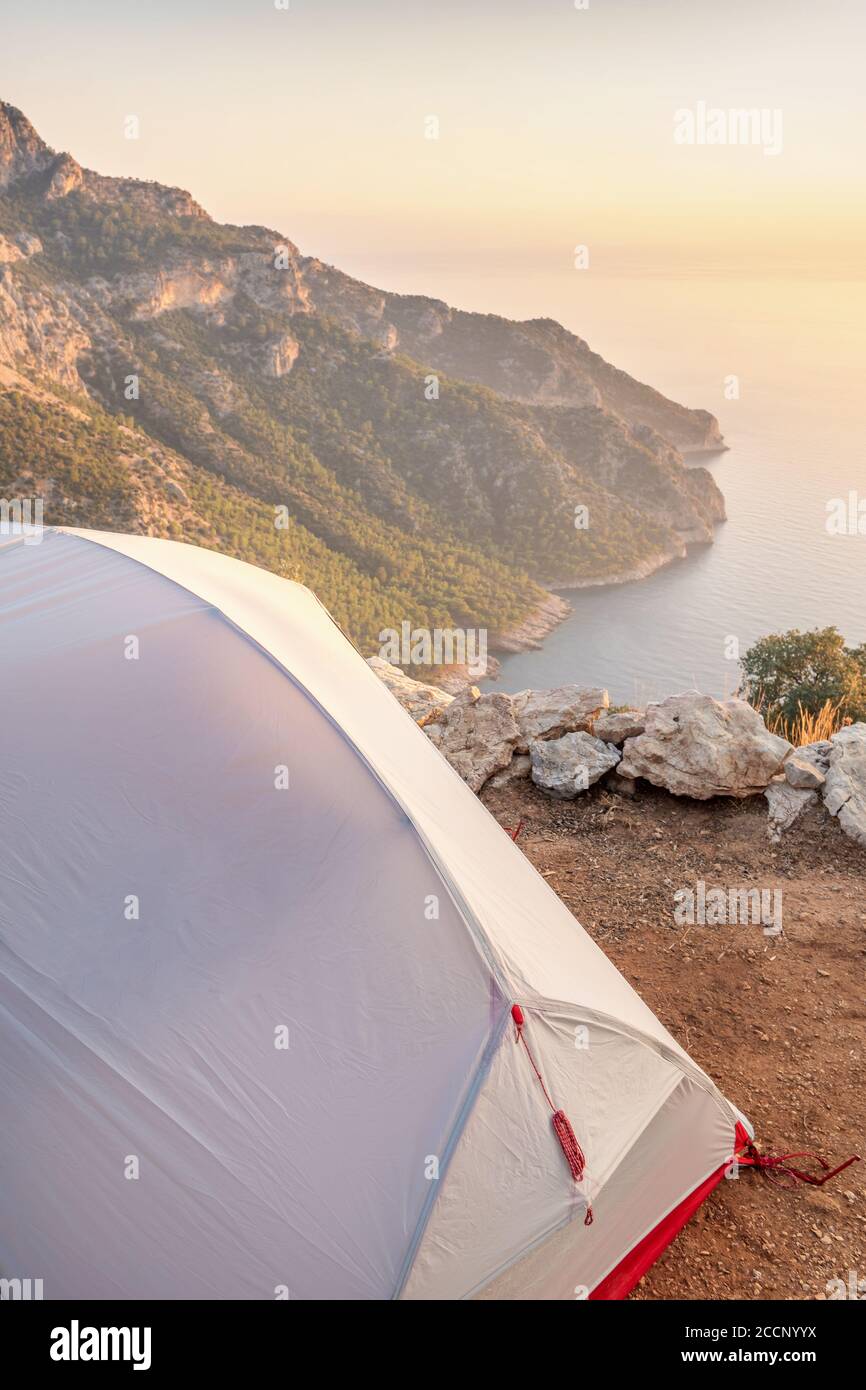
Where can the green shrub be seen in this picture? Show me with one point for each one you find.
(789, 673)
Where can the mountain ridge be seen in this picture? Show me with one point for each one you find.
(268, 382)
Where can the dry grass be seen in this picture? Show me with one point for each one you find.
(808, 727)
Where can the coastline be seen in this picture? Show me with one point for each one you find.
(701, 449)
(642, 570)
(529, 634)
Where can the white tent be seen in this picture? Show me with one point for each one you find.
(259, 949)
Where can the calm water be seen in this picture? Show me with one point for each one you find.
(796, 439)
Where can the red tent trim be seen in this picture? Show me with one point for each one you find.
(630, 1270)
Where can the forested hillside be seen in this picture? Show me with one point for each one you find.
(162, 373)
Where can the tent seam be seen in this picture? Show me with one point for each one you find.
(482, 1071)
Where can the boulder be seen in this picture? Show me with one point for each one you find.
(845, 786)
(477, 734)
(818, 753)
(423, 702)
(785, 805)
(566, 766)
(520, 766)
(700, 747)
(551, 713)
(616, 726)
(803, 770)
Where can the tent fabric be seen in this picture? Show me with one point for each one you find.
(289, 1005)
(631, 1269)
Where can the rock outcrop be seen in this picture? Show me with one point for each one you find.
(65, 175)
(482, 735)
(845, 786)
(807, 766)
(477, 734)
(785, 805)
(696, 746)
(22, 151)
(281, 355)
(550, 713)
(565, 767)
(692, 745)
(423, 702)
(38, 323)
(616, 726)
(530, 632)
(519, 767)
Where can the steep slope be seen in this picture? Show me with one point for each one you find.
(164, 373)
(538, 362)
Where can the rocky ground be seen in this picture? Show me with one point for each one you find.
(779, 1022)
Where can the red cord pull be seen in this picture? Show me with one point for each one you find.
(570, 1147)
(561, 1124)
(778, 1168)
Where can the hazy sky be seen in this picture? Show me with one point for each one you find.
(555, 124)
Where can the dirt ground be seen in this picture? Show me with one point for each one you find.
(779, 1022)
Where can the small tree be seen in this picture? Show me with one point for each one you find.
(790, 671)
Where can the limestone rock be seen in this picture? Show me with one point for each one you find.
(423, 702)
(700, 747)
(807, 766)
(22, 151)
(66, 175)
(845, 787)
(566, 766)
(616, 727)
(280, 355)
(520, 766)
(785, 805)
(551, 713)
(819, 753)
(477, 734)
(529, 633)
(387, 338)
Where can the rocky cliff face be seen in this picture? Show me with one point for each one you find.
(271, 382)
(22, 152)
(538, 362)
